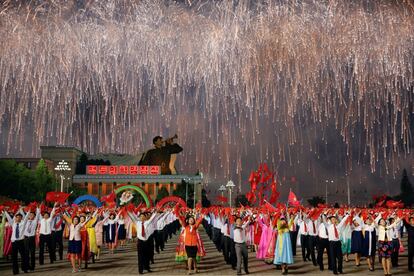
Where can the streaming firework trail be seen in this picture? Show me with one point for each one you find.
(237, 80)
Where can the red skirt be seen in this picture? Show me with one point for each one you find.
(257, 234)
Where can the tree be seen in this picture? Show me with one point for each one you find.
(205, 202)
(44, 181)
(163, 192)
(241, 200)
(23, 184)
(81, 164)
(407, 193)
(314, 201)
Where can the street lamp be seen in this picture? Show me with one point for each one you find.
(230, 185)
(62, 167)
(222, 189)
(186, 180)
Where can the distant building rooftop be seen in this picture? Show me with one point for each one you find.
(61, 147)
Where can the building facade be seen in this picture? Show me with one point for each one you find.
(106, 181)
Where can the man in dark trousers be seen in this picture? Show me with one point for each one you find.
(46, 237)
(57, 235)
(410, 231)
(161, 154)
(145, 229)
(29, 237)
(304, 236)
(17, 239)
(323, 244)
(293, 232)
(335, 246)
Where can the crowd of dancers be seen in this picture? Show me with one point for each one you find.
(272, 233)
(87, 231)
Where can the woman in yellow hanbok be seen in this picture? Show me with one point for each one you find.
(90, 228)
(2, 231)
(283, 248)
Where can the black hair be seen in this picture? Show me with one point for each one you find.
(155, 139)
(187, 219)
(77, 218)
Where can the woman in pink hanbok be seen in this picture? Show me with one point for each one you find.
(7, 246)
(270, 251)
(267, 233)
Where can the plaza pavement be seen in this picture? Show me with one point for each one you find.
(124, 262)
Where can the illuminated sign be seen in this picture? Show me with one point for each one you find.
(123, 169)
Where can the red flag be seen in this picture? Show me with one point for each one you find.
(269, 207)
(109, 198)
(292, 199)
(31, 207)
(222, 199)
(394, 204)
(323, 206)
(60, 197)
(13, 206)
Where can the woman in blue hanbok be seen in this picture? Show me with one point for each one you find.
(283, 249)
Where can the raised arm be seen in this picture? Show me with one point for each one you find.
(52, 214)
(67, 219)
(37, 218)
(151, 219)
(359, 221)
(174, 148)
(26, 217)
(198, 222)
(9, 218)
(395, 223)
(378, 218)
(341, 224)
(133, 217)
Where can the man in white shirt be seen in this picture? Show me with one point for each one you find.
(159, 232)
(304, 236)
(239, 237)
(323, 244)
(46, 236)
(312, 226)
(217, 224)
(17, 239)
(395, 237)
(29, 237)
(57, 234)
(145, 228)
(225, 231)
(293, 232)
(335, 246)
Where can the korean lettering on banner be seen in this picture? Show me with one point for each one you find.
(123, 169)
(133, 169)
(103, 169)
(113, 170)
(143, 170)
(154, 170)
(92, 169)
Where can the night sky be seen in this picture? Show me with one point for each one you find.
(316, 89)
